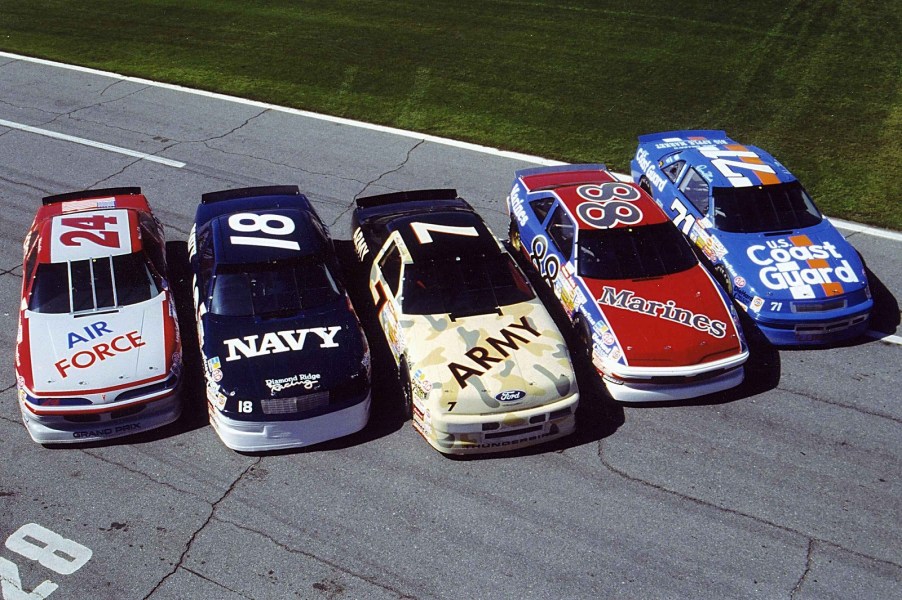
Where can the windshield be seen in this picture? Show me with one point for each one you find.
(777, 207)
(93, 284)
(474, 286)
(271, 289)
(633, 252)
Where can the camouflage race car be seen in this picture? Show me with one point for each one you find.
(759, 232)
(482, 365)
(98, 353)
(653, 321)
(285, 358)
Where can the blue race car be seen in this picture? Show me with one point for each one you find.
(760, 233)
(285, 358)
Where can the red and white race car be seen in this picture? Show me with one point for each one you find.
(98, 353)
(655, 324)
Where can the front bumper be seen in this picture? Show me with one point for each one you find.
(813, 332)
(265, 436)
(117, 421)
(499, 432)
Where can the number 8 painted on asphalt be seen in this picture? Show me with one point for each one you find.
(57, 553)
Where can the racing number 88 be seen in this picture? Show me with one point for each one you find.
(608, 204)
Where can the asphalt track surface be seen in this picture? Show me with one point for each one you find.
(787, 487)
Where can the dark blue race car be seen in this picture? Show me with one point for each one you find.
(760, 233)
(285, 359)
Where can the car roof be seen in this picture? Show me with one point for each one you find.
(432, 244)
(575, 185)
(715, 155)
(90, 224)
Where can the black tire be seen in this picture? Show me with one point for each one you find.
(406, 392)
(645, 185)
(583, 337)
(513, 233)
(723, 278)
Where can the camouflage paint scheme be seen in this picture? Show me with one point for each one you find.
(482, 383)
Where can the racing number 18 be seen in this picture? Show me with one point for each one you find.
(268, 225)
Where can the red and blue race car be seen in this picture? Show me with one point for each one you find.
(760, 233)
(656, 325)
(98, 353)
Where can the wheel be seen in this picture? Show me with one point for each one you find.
(723, 278)
(406, 393)
(583, 337)
(514, 234)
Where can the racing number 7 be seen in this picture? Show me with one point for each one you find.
(424, 231)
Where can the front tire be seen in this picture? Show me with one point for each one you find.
(723, 278)
(406, 392)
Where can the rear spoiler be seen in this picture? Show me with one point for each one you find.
(686, 133)
(250, 192)
(88, 194)
(560, 169)
(408, 196)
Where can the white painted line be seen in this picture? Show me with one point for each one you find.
(884, 337)
(293, 111)
(867, 229)
(848, 225)
(92, 143)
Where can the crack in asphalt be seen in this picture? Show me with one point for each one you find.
(327, 562)
(731, 511)
(96, 104)
(234, 129)
(216, 583)
(798, 586)
(203, 526)
(142, 473)
(863, 411)
(400, 166)
(23, 184)
(17, 106)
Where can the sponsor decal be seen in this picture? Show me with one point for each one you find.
(510, 396)
(105, 431)
(668, 311)
(516, 204)
(739, 281)
(797, 265)
(216, 375)
(648, 167)
(275, 342)
(518, 441)
(686, 143)
(85, 359)
(360, 245)
(421, 387)
(482, 358)
(757, 303)
(307, 380)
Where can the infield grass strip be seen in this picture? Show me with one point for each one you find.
(817, 83)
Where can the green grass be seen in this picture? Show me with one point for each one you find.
(817, 83)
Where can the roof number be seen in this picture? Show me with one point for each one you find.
(608, 204)
(424, 231)
(91, 229)
(268, 225)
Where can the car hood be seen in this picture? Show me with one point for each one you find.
(95, 352)
(682, 319)
(488, 364)
(808, 264)
(254, 358)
